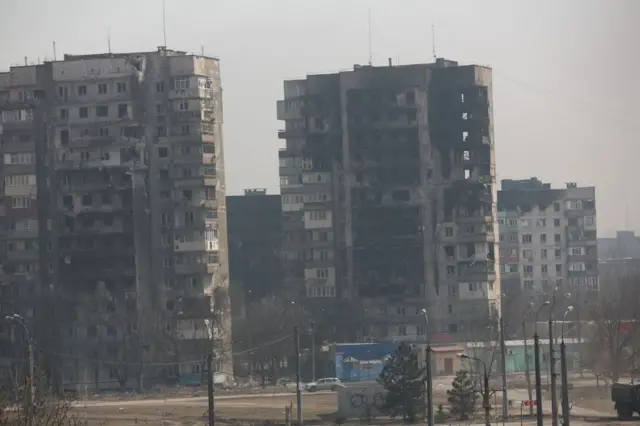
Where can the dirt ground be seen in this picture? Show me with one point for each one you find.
(234, 411)
(592, 398)
(194, 414)
(250, 410)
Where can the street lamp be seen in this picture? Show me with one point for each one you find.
(552, 361)
(526, 356)
(564, 319)
(555, 328)
(486, 404)
(430, 413)
(563, 370)
(32, 389)
(536, 352)
(312, 328)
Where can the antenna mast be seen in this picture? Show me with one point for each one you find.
(370, 49)
(54, 51)
(433, 40)
(626, 217)
(164, 22)
(109, 39)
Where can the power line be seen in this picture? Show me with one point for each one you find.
(163, 364)
(263, 345)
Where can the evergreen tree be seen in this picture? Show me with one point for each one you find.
(403, 380)
(462, 396)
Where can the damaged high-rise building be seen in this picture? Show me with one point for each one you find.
(388, 196)
(548, 239)
(131, 198)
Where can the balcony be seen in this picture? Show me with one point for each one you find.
(292, 133)
(468, 269)
(197, 268)
(193, 92)
(187, 115)
(289, 109)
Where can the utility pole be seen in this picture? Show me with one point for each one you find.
(211, 390)
(526, 367)
(552, 364)
(428, 373)
(296, 343)
(313, 352)
(430, 414)
(579, 332)
(536, 351)
(503, 355)
(536, 354)
(31, 380)
(32, 384)
(85, 394)
(486, 401)
(566, 417)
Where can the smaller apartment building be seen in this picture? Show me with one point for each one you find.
(19, 225)
(626, 244)
(548, 239)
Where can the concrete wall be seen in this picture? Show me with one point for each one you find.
(360, 402)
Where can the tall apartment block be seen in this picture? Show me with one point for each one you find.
(255, 235)
(548, 239)
(19, 214)
(388, 198)
(131, 155)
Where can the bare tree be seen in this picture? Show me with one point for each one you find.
(513, 313)
(483, 344)
(616, 335)
(262, 337)
(49, 407)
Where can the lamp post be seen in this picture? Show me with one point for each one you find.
(32, 388)
(526, 357)
(566, 418)
(503, 364)
(429, 378)
(536, 351)
(312, 329)
(552, 361)
(486, 402)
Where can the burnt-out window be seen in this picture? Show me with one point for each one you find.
(450, 252)
(92, 331)
(64, 137)
(401, 195)
(411, 97)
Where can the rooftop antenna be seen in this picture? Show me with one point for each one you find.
(164, 22)
(109, 39)
(626, 217)
(54, 51)
(433, 40)
(370, 49)
(201, 50)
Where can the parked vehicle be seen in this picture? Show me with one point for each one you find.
(329, 383)
(626, 399)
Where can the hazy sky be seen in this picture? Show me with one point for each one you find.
(566, 72)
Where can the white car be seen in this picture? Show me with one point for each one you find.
(329, 383)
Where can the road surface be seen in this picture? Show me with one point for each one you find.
(185, 400)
